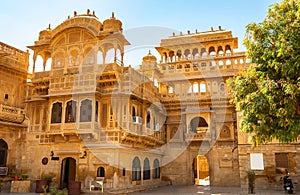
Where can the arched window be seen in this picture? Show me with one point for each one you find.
(148, 119)
(212, 51)
(228, 62)
(221, 63)
(56, 112)
(136, 169)
(203, 52)
(146, 170)
(198, 124)
(156, 169)
(3, 153)
(195, 52)
(187, 53)
(86, 111)
(70, 112)
(225, 132)
(171, 90)
(220, 51)
(101, 172)
(195, 88)
(202, 87)
(96, 111)
(222, 87)
(171, 55)
(190, 90)
(228, 50)
(178, 54)
(133, 112)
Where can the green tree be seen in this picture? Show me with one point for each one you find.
(268, 92)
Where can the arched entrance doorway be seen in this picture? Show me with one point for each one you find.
(201, 170)
(3, 152)
(68, 172)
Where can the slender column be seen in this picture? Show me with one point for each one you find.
(34, 60)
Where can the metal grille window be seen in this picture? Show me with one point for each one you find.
(156, 169)
(56, 112)
(282, 163)
(70, 112)
(146, 171)
(86, 111)
(136, 169)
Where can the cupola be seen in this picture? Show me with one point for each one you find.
(112, 25)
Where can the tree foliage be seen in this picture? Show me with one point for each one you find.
(268, 92)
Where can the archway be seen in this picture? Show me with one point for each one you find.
(198, 124)
(201, 170)
(3, 152)
(68, 172)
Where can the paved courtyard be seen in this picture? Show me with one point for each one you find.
(180, 190)
(197, 190)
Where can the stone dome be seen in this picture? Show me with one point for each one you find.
(112, 24)
(45, 35)
(149, 58)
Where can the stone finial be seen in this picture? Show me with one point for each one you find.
(93, 12)
(196, 31)
(113, 15)
(75, 13)
(220, 28)
(49, 26)
(88, 11)
(173, 34)
(149, 52)
(212, 28)
(189, 32)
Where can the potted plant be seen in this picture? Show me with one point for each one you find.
(43, 184)
(54, 191)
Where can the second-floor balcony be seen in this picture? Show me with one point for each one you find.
(11, 114)
(129, 131)
(201, 134)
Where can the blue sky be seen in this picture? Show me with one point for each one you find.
(21, 21)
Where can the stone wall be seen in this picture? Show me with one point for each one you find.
(269, 178)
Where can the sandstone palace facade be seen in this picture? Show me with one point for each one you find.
(93, 117)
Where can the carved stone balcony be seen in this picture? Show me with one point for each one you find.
(11, 114)
(199, 136)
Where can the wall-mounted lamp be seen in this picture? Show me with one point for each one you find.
(84, 154)
(51, 153)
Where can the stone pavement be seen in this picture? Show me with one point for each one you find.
(179, 190)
